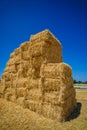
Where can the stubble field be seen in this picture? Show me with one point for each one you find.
(14, 117)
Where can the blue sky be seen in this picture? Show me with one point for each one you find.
(66, 19)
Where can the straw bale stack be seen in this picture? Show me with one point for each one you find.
(25, 50)
(57, 79)
(36, 78)
(25, 45)
(52, 52)
(18, 55)
(42, 49)
(45, 35)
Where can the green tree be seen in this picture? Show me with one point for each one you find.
(79, 82)
(74, 81)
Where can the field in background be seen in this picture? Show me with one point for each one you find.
(77, 84)
(13, 117)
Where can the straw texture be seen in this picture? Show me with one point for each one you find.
(36, 78)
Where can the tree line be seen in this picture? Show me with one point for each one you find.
(80, 82)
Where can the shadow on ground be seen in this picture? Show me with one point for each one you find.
(75, 113)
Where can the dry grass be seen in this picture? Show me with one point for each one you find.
(78, 84)
(13, 117)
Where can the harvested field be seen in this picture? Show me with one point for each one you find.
(14, 117)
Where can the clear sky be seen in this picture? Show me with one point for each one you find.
(66, 19)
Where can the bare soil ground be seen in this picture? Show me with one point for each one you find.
(14, 117)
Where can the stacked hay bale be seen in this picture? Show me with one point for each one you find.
(58, 92)
(8, 77)
(36, 78)
(21, 80)
(43, 48)
(15, 74)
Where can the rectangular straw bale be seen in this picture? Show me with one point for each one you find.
(25, 55)
(32, 105)
(46, 36)
(70, 103)
(39, 35)
(36, 49)
(69, 81)
(49, 51)
(54, 54)
(66, 83)
(33, 94)
(50, 112)
(50, 70)
(67, 93)
(51, 97)
(70, 92)
(46, 110)
(24, 46)
(23, 65)
(36, 61)
(51, 85)
(65, 69)
(39, 48)
(58, 71)
(33, 83)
